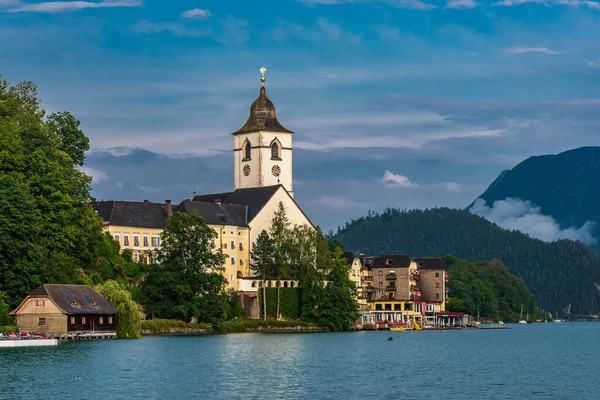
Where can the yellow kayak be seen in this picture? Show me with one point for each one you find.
(397, 329)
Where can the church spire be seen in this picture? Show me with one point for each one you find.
(263, 116)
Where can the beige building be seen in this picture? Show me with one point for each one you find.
(433, 280)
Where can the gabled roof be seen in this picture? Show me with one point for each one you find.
(215, 213)
(262, 116)
(253, 198)
(430, 263)
(75, 299)
(391, 261)
(132, 213)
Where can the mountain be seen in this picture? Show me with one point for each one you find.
(565, 186)
(559, 274)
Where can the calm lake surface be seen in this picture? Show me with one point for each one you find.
(551, 361)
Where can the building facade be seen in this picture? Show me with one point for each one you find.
(66, 311)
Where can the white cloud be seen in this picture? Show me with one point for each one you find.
(392, 180)
(593, 64)
(152, 28)
(195, 13)
(516, 214)
(409, 4)
(569, 3)
(526, 50)
(461, 4)
(453, 186)
(66, 6)
(96, 175)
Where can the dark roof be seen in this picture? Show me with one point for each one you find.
(254, 198)
(350, 257)
(131, 213)
(76, 299)
(397, 261)
(430, 263)
(262, 116)
(215, 213)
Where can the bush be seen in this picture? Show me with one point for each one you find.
(9, 328)
(289, 302)
(162, 326)
(245, 325)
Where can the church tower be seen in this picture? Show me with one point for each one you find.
(262, 148)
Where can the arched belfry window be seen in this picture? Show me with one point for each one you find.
(247, 150)
(275, 148)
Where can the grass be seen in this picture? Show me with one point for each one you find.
(167, 326)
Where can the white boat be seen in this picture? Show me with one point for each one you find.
(521, 320)
(28, 343)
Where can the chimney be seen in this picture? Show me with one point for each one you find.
(146, 201)
(168, 208)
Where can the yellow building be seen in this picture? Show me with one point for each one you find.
(138, 225)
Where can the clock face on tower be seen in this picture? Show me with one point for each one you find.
(246, 170)
(276, 171)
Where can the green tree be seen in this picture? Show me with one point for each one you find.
(262, 262)
(129, 319)
(334, 305)
(47, 227)
(189, 274)
(5, 318)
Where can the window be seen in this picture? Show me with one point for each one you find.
(437, 284)
(388, 306)
(437, 295)
(155, 241)
(241, 262)
(247, 150)
(407, 306)
(41, 321)
(72, 320)
(212, 244)
(136, 240)
(136, 257)
(145, 241)
(126, 240)
(83, 320)
(389, 261)
(380, 273)
(117, 237)
(378, 307)
(380, 284)
(232, 245)
(275, 150)
(437, 274)
(241, 246)
(39, 303)
(232, 261)
(231, 278)
(100, 320)
(224, 245)
(110, 320)
(253, 284)
(397, 307)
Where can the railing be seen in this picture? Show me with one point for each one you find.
(391, 288)
(414, 288)
(391, 277)
(367, 277)
(368, 289)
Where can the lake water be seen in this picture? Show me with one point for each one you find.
(551, 361)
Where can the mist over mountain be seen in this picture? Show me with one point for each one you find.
(549, 197)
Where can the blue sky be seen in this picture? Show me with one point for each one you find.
(400, 103)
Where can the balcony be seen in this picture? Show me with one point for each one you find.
(414, 274)
(414, 288)
(368, 289)
(391, 288)
(367, 278)
(391, 277)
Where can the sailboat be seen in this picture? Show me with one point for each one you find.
(521, 320)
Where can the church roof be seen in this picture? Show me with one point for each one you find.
(262, 116)
(254, 198)
(215, 213)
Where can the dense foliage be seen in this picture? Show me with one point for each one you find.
(48, 231)
(289, 302)
(487, 290)
(5, 318)
(188, 280)
(558, 274)
(130, 313)
(302, 253)
(564, 186)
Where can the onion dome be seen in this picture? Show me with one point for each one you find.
(262, 114)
